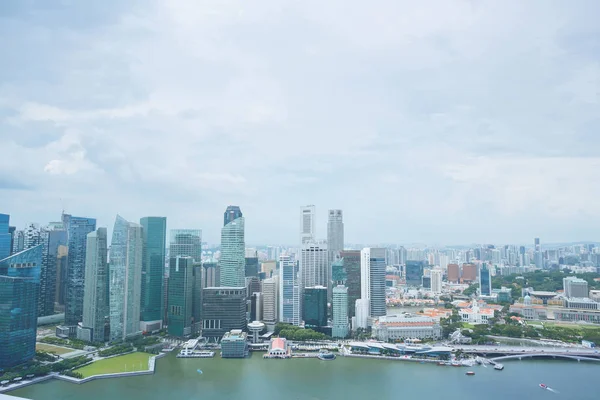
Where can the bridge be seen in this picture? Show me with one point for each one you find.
(519, 352)
(544, 355)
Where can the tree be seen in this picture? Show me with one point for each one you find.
(471, 290)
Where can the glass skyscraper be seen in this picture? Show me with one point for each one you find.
(19, 290)
(153, 268)
(233, 249)
(485, 281)
(224, 309)
(351, 270)
(373, 280)
(290, 300)
(51, 241)
(125, 279)
(5, 236)
(95, 301)
(186, 242)
(77, 230)
(340, 312)
(414, 272)
(314, 307)
(181, 288)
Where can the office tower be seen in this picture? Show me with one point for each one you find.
(77, 230)
(340, 312)
(485, 280)
(436, 281)
(32, 236)
(469, 273)
(95, 299)
(61, 278)
(453, 273)
(290, 289)
(19, 289)
(426, 282)
(270, 300)
(362, 314)
(575, 287)
(307, 224)
(5, 237)
(372, 270)
(197, 298)
(154, 231)
(335, 233)
(233, 249)
(180, 299)
(268, 267)
(351, 263)
(224, 309)
(231, 214)
(186, 242)
(313, 265)
(125, 269)
(18, 241)
(210, 274)
(251, 266)
(314, 306)
(252, 285)
(256, 306)
(538, 257)
(11, 231)
(414, 272)
(51, 241)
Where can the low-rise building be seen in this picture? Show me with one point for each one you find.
(528, 310)
(406, 326)
(475, 314)
(279, 348)
(577, 315)
(234, 344)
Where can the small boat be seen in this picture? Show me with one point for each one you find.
(499, 367)
(441, 363)
(470, 373)
(326, 356)
(199, 371)
(543, 386)
(455, 364)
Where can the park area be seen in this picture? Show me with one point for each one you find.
(127, 363)
(48, 348)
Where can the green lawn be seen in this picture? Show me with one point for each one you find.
(129, 362)
(571, 326)
(52, 349)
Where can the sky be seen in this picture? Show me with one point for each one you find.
(441, 122)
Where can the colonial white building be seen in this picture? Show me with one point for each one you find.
(406, 326)
(476, 315)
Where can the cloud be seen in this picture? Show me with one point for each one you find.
(426, 122)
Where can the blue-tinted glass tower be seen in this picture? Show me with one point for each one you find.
(485, 281)
(153, 267)
(19, 291)
(77, 230)
(5, 236)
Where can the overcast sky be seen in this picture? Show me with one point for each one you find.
(442, 122)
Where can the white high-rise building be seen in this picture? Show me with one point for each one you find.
(307, 224)
(125, 279)
(575, 287)
(372, 278)
(335, 233)
(362, 314)
(436, 281)
(313, 265)
(270, 301)
(290, 289)
(340, 312)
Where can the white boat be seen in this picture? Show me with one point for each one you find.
(499, 367)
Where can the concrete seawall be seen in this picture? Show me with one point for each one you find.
(149, 371)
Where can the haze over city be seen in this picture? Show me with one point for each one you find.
(437, 122)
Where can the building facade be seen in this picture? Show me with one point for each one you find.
(406, 326)
(340, 312)
(233, 251)
(224, 309)
(95, 294)
(575, 287)
(186, 242)
(180, 299)
(335, 234)
(77, 230)
(436, 281)
(290, 306)
(270, 301)
(414, 272)
(234, 344)
(153, 271)
(351, 265)
(314, 307)
(6, 237)
(125, 279)
(314, 260)
(51, 241)
(373, 270)
(453, 273)
(485, 280)
(307, 224)
(19, 291)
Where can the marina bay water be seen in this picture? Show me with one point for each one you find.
(341, 379)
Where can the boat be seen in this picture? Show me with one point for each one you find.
(499, 367)
(441, 363)
(455, 364)
(470, 373)
(326, 356)
(543, 386)
(199, 371)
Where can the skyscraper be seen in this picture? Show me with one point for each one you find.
(95, 294)
(373, 280)
(19, 289)
(233, 249)
(335, 234)
(125, 279)
(77, 230)
(313, 265)
(186, 242)
(307, 224)
(5, 237)
(270, 300)
(290, 291)
(436, 281)
(453, 273)
(197, 298)
(181, 287)
(251, 266)
(340, 312)
(351, 263)
(224, 309)
(153, 272)
(485, 280)
(414, 272)
(210, 274)
(51, 240)
(314, 307)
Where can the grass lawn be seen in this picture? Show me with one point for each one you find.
(52, 349)
(129, 362)
(466, 325)
(571, 326)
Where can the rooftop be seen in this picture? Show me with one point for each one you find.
(234, 335)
